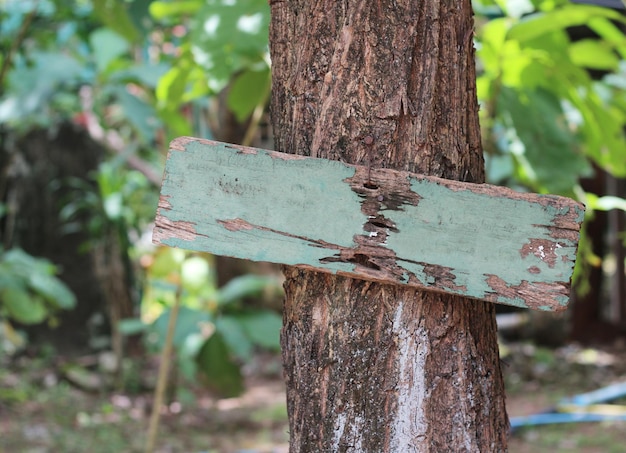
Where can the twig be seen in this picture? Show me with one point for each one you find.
(112, 139)
(164, 367)
(255, 119)
(21, 34)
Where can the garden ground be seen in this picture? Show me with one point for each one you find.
(41, 411)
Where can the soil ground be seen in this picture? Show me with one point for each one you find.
(42, 412)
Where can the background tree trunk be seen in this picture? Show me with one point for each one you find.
(31, 166)
(369, 367)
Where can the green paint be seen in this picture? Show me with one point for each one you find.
(301, 211)
(477, 235)
(208, 184)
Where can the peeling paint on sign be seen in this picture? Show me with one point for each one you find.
(475, 240)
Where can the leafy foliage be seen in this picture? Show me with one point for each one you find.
(116, 200)
(228, 42)
(545, 119)
(216, 332)
(137, 73)
(30, 293)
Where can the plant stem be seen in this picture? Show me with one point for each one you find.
(21, 35)
(164, 367)
(255, 119)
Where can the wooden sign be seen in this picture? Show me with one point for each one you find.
(475, 240)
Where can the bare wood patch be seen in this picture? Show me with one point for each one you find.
(544, 249)
(167, 229)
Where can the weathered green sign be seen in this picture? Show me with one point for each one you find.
(475, 240)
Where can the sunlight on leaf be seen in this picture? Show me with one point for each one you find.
(163, 10)
(516, 8)
(195, 273)
(538, 24)
(591, 53)
(250, 24)
(605, 203)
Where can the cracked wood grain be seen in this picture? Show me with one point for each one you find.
(475, 240)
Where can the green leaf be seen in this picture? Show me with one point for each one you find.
(114, 14)
(139, 14)
(164, 10)
(146, 74)
(142, 116)
(52, 290)
(535, 25)
(521, 68)
(187, 367)
(22, 306)
(605, 203)
(167, 261)
(229, 36)
(603, 132)
(550, 158)
(249, 89)
(492, 37)
(244, 286)
(131, 326)
(235, 337)
(192, 345)
(594, 54)
(107, 45)
(172, 85)
(609, 33)
(28, 91)
(24, 264)
(262, 327)
(221, 373)
(113, 206)
(195, 274)
(187, 323)
(177, 124)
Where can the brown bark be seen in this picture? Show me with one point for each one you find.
(370, 367)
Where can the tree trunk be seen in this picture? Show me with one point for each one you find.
(30, 166)
(370, 367)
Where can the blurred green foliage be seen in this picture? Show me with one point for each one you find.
(216, 331)
(30, 293)
(544, 118)
(137, 73)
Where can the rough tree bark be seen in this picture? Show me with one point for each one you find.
(369, 367)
